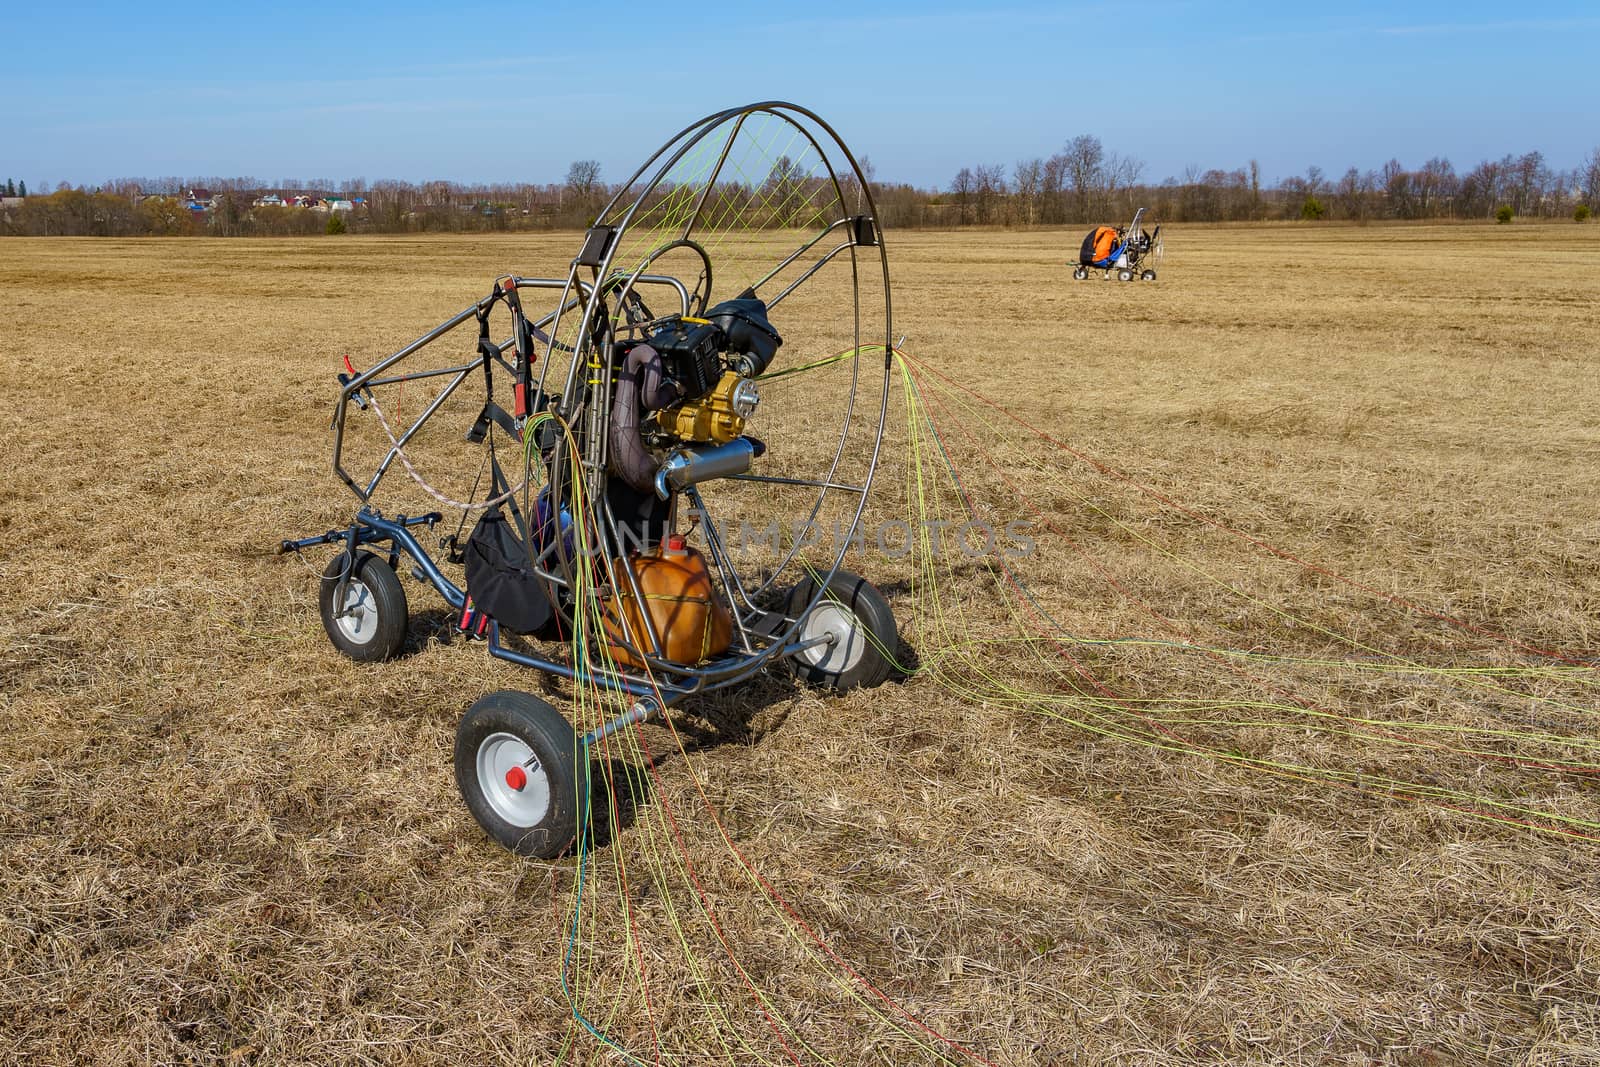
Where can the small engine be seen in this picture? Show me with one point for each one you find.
(717, 417)
(683, 395)
(718, 394)
(691, 355)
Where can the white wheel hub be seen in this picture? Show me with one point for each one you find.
(849, 642)
(358, 615)
(513, 781)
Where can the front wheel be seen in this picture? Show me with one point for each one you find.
(855, 632)
(517, 761)
(1080, 273)
(1124, 275)
(370, 624)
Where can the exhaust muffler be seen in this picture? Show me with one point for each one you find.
(691, 466)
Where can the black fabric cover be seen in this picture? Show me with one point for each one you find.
(501, 580)
(1086, 253)
(642, 518)
(743, 321)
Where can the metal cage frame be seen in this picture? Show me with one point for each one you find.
(596, 283)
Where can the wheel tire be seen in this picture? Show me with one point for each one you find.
(1124, 275)
(1148, 276)
(1079, 273)
(863, 624)
(534, 813)
(376, 628)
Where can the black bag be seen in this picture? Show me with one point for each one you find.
(643, 519)
(501, 579)
(1086, 253)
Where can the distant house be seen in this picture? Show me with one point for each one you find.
(270, 200)
(199, 199)
(340, 205)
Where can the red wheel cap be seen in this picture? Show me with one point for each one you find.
(517, 778)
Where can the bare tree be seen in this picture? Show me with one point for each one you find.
(1194, 199)
(1118, 173)
(1586, 180)
(1589, 179)
(1396, 184)
(1434, 184)
(1026, 177)
(1316, 181)
(1531, 178)
(124, 187)
(1051, 183)
(1353, 194)
(583, 177)
(991, 186)
(850, 186)
(784, 192)
(1480, 189)
(1085, 158)
(868, 171)
(1561, 193)
(390, 205)
(962, 186)
(581, 192)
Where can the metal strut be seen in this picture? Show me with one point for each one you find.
(642, 709)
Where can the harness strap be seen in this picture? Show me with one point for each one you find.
(523, 333)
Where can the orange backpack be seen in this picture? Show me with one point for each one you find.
(1105, 239)
(1097, 245)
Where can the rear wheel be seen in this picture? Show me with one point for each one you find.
(516, 762)
(858, 626)
(1148, 276)
(1124, 275)
(370, 622)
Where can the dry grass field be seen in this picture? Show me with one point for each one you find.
(220, 841)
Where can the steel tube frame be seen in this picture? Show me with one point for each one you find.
(588, 459)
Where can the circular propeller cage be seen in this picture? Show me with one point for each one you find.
(763, 201)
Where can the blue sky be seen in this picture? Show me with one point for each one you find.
(476, 92)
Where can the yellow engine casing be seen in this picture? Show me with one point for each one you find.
(710, 419)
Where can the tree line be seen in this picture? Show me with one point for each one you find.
(132, 207)
(1082, 183)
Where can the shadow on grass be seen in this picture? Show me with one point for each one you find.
(617, 790)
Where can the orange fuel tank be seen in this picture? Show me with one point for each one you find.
(681, 600)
